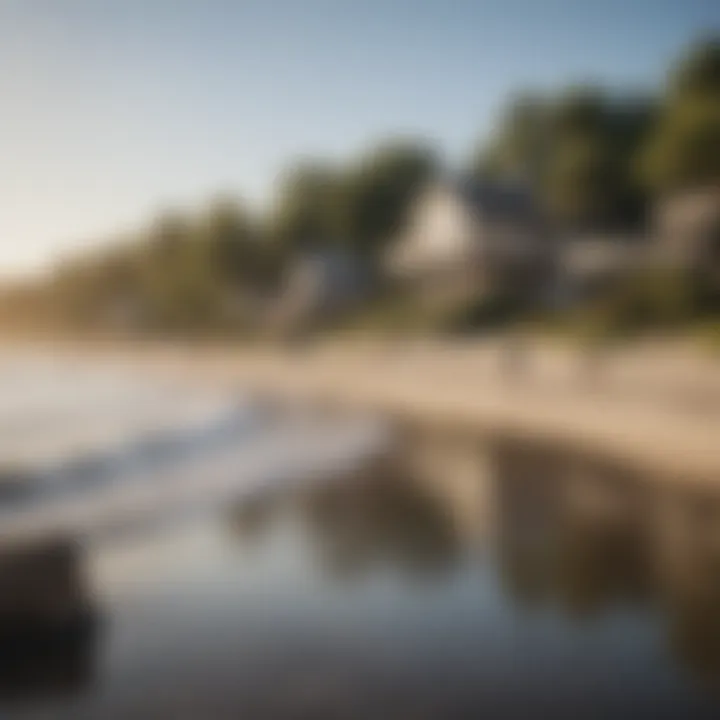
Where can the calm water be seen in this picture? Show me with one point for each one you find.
(454, 578)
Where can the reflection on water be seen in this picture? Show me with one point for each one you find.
(590, 538)
(379, 520)
(453, 578)
(571, 533)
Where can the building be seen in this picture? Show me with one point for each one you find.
(320, 286)
(594, 264)
(466, 236)
(687, 228)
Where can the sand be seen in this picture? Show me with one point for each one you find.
(654, 406)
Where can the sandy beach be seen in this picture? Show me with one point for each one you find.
(656, 407)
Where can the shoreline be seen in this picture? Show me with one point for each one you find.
(635, 415)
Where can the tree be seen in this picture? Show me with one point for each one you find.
(305, 216)
(229, 241)
(518, 149)
(379, 190)
(575, 153)
(587, 182)
(178, 286)
(359, 208)
(581, 186)
(684, 149)
(698, 72)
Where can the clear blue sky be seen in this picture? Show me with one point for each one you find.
(112, 109)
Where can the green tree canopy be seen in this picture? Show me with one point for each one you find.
(306, 212)
(379, 189)
(517, 148)
(230, 242)
(684, 148)
(698, 72)
(575, 151)
(359, 207)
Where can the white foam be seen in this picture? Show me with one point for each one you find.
(91, 452)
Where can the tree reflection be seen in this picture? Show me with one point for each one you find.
(691, 584)
(572, 532)
(597, 567)
(586, 536)
(380, 519)
(569, 531)
(694, 628)
(529, 507)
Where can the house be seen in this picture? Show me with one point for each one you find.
(592, 264)
(687, 228)
(319, 287)
(467, 236)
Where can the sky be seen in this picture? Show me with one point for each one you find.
(112, 110)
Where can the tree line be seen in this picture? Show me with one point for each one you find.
(598, 158)
(593, 158)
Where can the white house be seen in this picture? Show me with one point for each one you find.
(464, 234)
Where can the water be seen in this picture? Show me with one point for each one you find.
(453, 577)
(88, 449)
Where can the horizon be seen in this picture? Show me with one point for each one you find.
(113, 113)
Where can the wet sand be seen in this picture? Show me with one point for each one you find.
(655, 408)
(665, 430)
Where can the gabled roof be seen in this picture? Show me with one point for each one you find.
(496, 201)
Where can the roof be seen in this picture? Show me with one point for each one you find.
(496, 201)
(509, 208)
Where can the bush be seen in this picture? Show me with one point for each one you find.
(651, 300)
